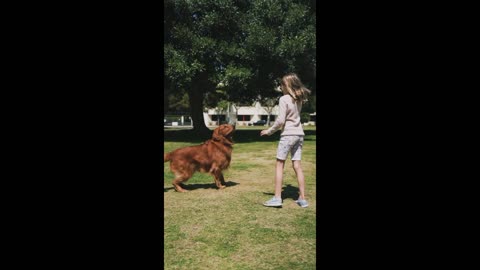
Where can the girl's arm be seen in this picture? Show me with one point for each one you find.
(280, 121)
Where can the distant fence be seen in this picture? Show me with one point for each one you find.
(177, 121)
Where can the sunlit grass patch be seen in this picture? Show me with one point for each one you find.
(207, 228)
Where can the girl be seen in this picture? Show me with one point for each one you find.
(291, 138)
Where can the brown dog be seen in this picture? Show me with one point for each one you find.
(213, 156)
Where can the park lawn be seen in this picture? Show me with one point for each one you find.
(207, 228)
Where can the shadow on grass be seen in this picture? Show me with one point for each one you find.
(203, 186)
(240, 136)
(288, 192)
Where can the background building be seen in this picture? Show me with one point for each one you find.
(234, 114)
(242, 115)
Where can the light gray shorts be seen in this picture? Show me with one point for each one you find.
(292, 144)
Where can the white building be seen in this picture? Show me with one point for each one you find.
(242, 115)
(239, 115)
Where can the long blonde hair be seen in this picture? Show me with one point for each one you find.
(292, 85)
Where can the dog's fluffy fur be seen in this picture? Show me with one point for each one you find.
(213, 156)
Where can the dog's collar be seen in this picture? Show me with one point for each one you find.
(226, 142)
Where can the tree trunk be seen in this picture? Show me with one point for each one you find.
(195, 97)
(166, 91)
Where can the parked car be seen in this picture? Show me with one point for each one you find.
(258, 123)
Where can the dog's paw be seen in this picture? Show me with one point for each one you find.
(179, 189)
(221, 187)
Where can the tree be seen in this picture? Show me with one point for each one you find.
(304, 117)
(179, 102)
(269, 103)
(245, 45)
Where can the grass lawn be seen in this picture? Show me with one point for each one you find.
(207, 228)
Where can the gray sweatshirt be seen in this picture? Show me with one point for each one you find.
(288, 117)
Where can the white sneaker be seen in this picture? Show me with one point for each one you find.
(273, 202)
(302, 203)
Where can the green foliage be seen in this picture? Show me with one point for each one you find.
(244, 44)
(281, 39)
(304, 117)
(178, 102)
(222, 105)
(215, 99)
(310, 106)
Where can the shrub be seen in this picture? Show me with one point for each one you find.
(304, 117)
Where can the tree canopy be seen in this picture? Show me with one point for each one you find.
(243, 45)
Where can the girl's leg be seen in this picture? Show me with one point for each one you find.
(297, 167)
(279, 177)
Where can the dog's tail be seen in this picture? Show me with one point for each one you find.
(166, 157)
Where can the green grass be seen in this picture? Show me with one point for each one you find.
(207, 228)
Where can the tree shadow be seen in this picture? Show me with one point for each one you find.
(308, 135)
(165, 189)
(240, 136)
(288, 192)
(202, 186)
(188, 136)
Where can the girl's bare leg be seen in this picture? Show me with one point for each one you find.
(297, 167)
(279, 177)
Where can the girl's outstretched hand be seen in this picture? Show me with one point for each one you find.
(263, 132)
